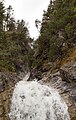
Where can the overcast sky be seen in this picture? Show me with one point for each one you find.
(29, 10)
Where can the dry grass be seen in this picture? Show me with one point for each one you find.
(71, 55)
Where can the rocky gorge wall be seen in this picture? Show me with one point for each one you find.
(7, 83)
(64, 80)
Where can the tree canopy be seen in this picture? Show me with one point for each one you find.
(58, 29)
(14, 41)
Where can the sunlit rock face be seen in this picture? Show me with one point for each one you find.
(33, 101)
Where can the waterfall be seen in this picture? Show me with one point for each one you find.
(33, 101)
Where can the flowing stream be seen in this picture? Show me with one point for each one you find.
(33, 101)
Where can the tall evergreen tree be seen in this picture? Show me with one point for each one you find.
(10, 22)
(58, 30)
(2, 16)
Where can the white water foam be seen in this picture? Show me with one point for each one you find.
(33, 101)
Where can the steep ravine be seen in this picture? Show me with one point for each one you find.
(64, 80)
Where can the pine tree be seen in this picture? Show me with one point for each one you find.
(2, 16)
(9, 20)
(58, 30)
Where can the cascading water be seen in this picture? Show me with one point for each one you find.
(33, 101)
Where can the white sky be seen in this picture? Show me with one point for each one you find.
(29, 10)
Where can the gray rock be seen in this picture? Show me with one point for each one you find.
(7, 83)
(68, 72)
(65, 87)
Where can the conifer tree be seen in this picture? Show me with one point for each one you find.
(2, 16)
(58, 30)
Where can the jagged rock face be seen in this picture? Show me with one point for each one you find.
(66, 90)
(68, 72)
(65, 82)
(7, 83)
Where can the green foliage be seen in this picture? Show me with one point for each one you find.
(14, 42)
(2, 16)
(14, 48)
(58, 30)
(9, 19)
(57, 35)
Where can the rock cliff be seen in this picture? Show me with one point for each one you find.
(64, 80)
(7, 82)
